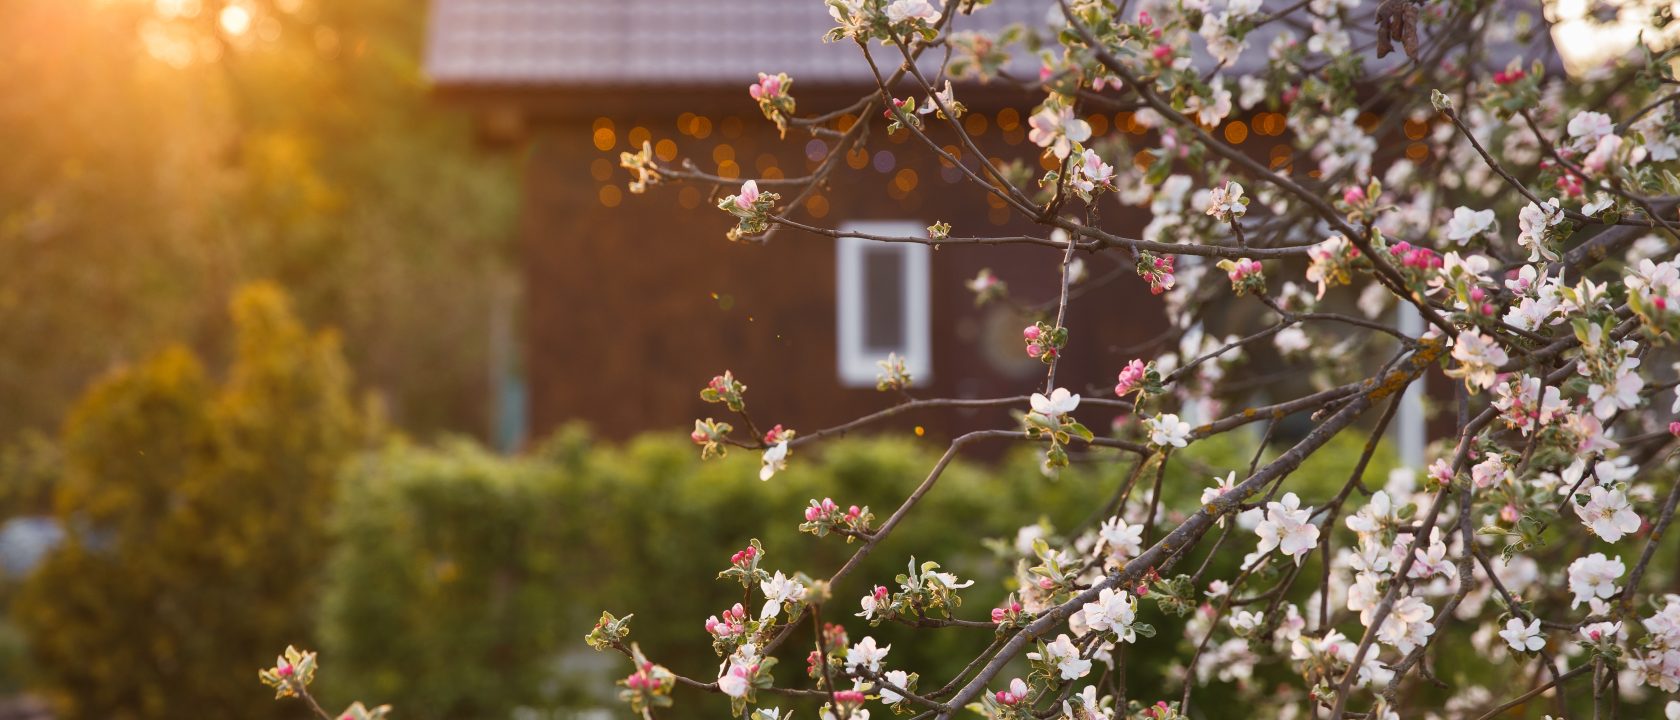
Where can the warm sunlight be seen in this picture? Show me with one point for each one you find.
(236, 19)
(1588, 34)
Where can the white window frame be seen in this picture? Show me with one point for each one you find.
(858, 366)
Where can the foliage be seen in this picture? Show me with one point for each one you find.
(155, 160)
(461, 581)
(195, 514)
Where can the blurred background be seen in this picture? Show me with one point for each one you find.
(332, 323)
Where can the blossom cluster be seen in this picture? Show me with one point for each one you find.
(1484, 220)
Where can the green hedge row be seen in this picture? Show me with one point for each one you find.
(462, 583)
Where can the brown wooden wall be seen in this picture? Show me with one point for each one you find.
(635, 301)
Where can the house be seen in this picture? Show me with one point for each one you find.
(632, 302)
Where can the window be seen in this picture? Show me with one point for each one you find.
(882, 302)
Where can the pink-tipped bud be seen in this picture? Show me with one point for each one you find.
(1509, 514)
(1031, 333)
(1354, 195)
(1144, 19)
(284, 670)
(1163, 52)
(1477, 294)
(998, 615)
(1571, 184)
(1488, 309)
(1674, 428)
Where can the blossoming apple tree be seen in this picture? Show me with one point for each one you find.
(1536, 249)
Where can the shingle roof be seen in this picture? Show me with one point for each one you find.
(603, 43)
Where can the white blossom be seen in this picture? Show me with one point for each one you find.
(1114, 611)
(1607, 514)
(1287, 527)
(1466, 224)
(1523, 638)
(1064, 655)
(1594, 576)
(866, 654)
(1166, 429)
(779, 589)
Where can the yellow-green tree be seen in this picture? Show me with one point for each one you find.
(194, 511)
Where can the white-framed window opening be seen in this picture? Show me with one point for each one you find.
(882, 301)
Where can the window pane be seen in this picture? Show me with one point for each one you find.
(883, 300)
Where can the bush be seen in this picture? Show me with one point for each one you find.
(461, 583)
(194, 515)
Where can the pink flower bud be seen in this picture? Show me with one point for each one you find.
(1031, 333)
(1571, 184)
(1163, 52)
(1129, 377)
(1674, 428)
(1034, 351)
(283, 670)
(1509, 514)
(998, 615)
(1477, 294)
(1354, 195)
(1144, 19)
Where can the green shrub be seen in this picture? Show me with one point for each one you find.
(194, 518)
(461, 583)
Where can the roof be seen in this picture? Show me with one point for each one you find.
(613, 43)
(610, 45)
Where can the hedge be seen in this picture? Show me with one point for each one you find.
(462, 582)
